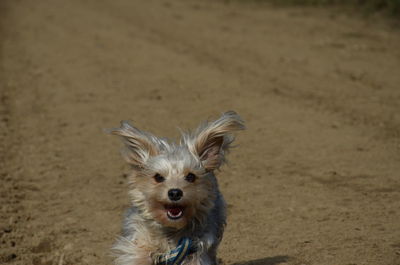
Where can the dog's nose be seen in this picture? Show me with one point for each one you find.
(175, 194)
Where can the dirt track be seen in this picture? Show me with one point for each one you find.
(315, 179)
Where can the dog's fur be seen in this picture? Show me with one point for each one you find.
(148, 231)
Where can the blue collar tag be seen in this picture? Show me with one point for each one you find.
(178, 254)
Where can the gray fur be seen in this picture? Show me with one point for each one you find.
(144, 237)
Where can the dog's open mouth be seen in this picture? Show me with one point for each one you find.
(174, 211)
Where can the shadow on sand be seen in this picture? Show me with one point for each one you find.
(265, 261)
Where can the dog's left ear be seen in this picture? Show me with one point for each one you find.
(212, 140)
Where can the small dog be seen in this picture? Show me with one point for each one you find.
(178, 213)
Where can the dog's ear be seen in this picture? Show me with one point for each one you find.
(139, 145)
(211, 141)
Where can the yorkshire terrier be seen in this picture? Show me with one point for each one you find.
(178, 213)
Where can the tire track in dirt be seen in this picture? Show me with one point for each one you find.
(247, 68)
(248, 65)
(317, 190)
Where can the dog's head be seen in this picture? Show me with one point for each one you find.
(174, 184)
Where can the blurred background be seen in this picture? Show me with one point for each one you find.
(314, 179)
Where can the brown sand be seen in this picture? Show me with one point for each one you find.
(314, 180)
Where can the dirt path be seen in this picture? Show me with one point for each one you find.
(315, 179)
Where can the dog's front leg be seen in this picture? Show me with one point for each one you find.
(129, 252)
(206, 251)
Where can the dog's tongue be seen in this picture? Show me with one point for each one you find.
(175, 210)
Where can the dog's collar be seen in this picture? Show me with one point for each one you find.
(177, 255)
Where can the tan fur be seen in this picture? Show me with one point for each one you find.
(148, 231)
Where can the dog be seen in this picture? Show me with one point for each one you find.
(178, 213)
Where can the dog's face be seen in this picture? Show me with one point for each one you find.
(174, 184)
(174, 188)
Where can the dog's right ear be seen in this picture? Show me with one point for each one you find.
(139, 145)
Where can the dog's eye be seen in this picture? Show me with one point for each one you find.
(158, 178)
(190, 177)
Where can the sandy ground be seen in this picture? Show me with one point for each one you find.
(314, 180)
